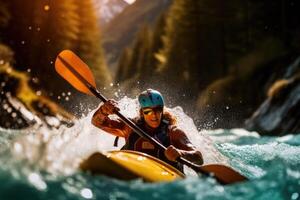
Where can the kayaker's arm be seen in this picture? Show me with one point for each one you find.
(115, 127)
(181, 146)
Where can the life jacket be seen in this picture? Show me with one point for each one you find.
(138, 143)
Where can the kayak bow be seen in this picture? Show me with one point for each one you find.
(128, 165)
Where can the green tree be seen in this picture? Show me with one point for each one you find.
(39, 30)
(139, 54)
(156, 45)
(185, 58)
(89, 42)
(200, 36)
(145, 69)
(123, 65)
(4, 14)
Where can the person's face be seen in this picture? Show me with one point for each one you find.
(152, 116)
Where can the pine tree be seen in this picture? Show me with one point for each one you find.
(199, 37)
(4, 14)
(62, 24)
(145, 69)
(89, 43)
(139, 61)
(123, 65)
(139, 53)
(184, 52)
(17, 28)
(37, 32)
(44, 28)
(55, 27)
(157, 42)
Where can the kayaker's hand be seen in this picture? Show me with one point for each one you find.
(109, 107)
(172, 153)
(193, 156)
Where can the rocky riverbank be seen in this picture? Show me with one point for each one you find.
(21, 106)
(280, 112)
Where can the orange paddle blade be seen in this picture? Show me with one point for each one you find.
(67, 64)
(224, 174)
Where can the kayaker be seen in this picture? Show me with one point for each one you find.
(155, 121)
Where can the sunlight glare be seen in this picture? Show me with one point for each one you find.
(130, 1)
(46, 7)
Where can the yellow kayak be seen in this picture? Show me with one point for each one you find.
(128, 165)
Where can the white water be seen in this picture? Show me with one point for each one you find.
(44, 164)
(60, 151)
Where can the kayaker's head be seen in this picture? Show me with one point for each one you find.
(152, 104)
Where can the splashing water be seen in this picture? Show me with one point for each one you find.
(43, 164)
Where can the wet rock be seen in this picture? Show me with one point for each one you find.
(280, 113)
(21, 107)
(229, 101)
(11, 117)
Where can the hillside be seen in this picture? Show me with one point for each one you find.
(120, 32)
(107, 9)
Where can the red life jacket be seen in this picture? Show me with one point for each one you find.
(137, 143)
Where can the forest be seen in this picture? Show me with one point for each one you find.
(218, 60)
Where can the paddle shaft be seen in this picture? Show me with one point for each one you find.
(127, 121)
(143, 134)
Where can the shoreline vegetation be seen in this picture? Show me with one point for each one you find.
(228, 65)
(22, 106)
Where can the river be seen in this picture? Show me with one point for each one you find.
(42, 163)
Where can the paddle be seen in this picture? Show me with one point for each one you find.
(78, 74)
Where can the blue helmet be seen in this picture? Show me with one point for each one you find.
(150, 98)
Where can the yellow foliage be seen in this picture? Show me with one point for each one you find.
(24, 92)
(215, 92)
(27, 96)
(277, 87)
(161, 59)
